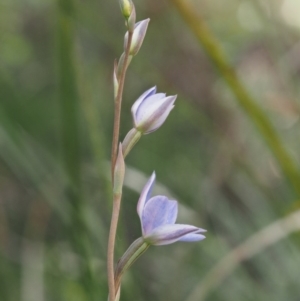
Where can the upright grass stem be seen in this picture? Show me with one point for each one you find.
(118, 197)
(264, 126)
(69, 102)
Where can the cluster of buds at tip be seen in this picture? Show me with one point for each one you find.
(128, 11)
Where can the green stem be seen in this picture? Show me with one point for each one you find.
(255, 113)
(118, 105)
(111, 246)
(117, 199)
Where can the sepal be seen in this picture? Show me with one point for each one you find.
(135, 250)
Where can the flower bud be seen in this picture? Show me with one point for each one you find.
(115, 80)
(119, 172)
(126, 7)
(140, 29)
(121, 64)
(151, 110)
(131, 20)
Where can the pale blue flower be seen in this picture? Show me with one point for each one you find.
(158, 216)
(139, 33)
(151, 110)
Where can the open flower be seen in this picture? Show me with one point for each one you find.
(158, 216)
(151, 109)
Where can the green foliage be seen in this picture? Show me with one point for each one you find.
(56, 116)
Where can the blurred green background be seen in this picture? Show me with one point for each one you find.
(229, 151)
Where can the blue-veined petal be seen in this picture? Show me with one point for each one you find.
(169, 234)
(159, 117)
(191, 237)
(158, 211)
(145, 195)
(137, 103)
(151, 109)
(148, 106)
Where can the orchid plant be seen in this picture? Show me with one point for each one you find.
(157, 214)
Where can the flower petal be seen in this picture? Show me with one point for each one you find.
(159, 117)
(169, 234)
(145, 195)
(137, 103)
(138, 36)
(158, 211)
(191, 237)
(148, 106)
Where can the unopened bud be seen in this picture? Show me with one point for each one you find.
(126, 7)
(115, 80)
(121, 64)
(140, 29)
(119, 172)
(131, 20)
